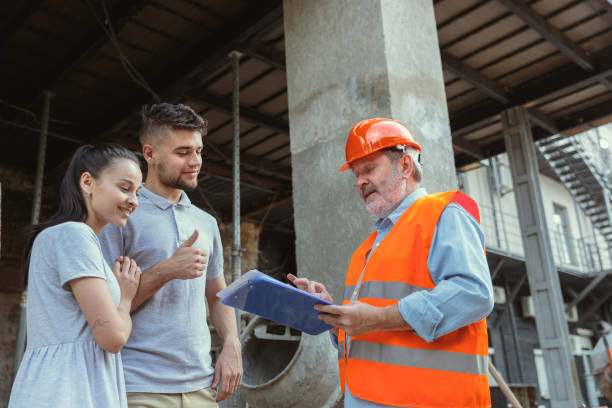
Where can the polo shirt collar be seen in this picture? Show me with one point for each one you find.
(160, 201)
(404, 205)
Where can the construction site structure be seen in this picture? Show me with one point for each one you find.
(508, 99)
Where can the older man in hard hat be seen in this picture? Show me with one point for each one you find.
(411, 331)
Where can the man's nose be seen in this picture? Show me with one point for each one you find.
(360, 181)
(195, 160)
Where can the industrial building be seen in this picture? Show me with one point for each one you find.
(510, 99)
(580, 252)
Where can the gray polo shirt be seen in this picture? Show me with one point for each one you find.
(169, 348)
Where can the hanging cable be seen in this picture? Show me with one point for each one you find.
(129, 68)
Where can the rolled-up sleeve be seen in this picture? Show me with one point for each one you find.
(458, 266)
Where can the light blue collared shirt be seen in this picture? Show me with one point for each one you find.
(457, 265)
(168, 350)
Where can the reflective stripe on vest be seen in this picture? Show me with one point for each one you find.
(382, 290)
(341, 348)
(409, 357)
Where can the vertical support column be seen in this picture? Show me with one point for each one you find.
(541, 271)
(40, 170)
(582, 251)
(349, 60)
(492, 186)
(42, 150)
(236, 400)
(510, 297)
(500, 207)
(236, 249)
(596, 248)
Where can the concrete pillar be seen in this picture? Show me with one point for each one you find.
(349, 60)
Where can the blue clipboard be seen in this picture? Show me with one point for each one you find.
(279, 302)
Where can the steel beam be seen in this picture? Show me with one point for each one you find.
(264, 53)
(497, 268)
(596, 305)
(607, 83)
(273, 204)
(588, 289)
(253, 162)
(542, 120)
(549, 32)
(468, 148)
(493, 89)
(575, 123)
(120, 15)
(189, 72)
(541, 271)
(280, 126)
(580, 121)
(476, 125)
(247, 113)
(469, 74)
(554, 85)
(607, 6)
(223, 170)
(33, 129)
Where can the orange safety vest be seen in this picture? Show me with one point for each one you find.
(399, 368)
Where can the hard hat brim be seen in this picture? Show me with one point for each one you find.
(346, 166)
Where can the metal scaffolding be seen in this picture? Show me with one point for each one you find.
(236, 249)
(40, 170)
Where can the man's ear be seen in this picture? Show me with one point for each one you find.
(406, 165)
(148, 152)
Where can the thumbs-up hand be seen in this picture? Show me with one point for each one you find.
(191, 240)
(187, 262)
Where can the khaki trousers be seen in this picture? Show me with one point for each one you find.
(204, 398)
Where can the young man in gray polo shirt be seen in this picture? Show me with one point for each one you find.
(167, 359)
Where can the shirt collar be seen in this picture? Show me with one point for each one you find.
(161, 202)
(404, 205)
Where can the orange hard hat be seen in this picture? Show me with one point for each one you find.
(371, 135)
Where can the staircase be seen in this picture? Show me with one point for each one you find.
(583, 169)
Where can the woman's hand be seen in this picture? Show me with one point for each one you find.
(128, 276)
(110, 323)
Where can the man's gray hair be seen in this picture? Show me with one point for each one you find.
(394, 153)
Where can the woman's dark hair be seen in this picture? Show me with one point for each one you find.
(93, 159)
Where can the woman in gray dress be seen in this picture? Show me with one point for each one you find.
(78, 308)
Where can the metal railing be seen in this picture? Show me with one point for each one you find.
(569, 253)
